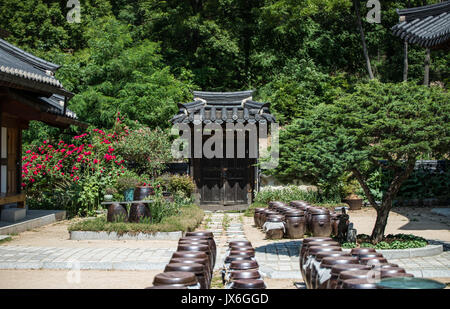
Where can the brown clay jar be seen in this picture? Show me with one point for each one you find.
(244, 274)
(311, 253)
(203, 261)
(250, 253)
(320, 222)
(239, 243)
(248, 284)
(295, 224)
(232, 258)
(372, 260)
(176, 278)
(257, 216)
(210, 237)
(308, 242)
(334, 260)
(211, 242)
(202, 248)
(277, 233)
(193, 255)
(337, 269)
(199, 242)
(361, 284)
(243, 265)
(315, 279)
(198, 269)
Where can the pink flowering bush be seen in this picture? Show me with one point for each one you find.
(73, 175)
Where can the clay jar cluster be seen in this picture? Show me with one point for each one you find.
(299, 218)
(240, 269)
(192, 264)
(324, 265)
(118, 211)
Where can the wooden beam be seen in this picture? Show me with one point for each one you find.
(405, 61)
(426, 77)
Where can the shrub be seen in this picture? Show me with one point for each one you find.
(145, 150)
(181, 183)
(290, 193)
(74, 175)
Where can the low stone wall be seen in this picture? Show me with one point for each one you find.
(429, 250)
(88, 235)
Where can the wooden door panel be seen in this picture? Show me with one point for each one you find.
(12, 160)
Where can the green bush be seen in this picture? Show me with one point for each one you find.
(181, 183)
(389, 242)
(290, 193)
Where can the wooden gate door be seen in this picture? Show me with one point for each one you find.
(211, 181)
(235, 181)
(224, 181)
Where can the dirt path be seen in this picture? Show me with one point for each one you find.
(407, 220)
(63, 279)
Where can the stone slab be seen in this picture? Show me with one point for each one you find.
(89, 235)
(13, 214)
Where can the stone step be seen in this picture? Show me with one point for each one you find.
(13, 214)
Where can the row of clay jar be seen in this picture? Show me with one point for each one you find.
(299, 218)
(240, 269)
(324, 265)
(192, 265)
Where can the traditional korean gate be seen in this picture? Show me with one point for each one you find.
(224, 181)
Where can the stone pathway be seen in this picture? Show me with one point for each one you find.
(20, 257)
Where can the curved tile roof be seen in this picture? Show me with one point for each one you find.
(427, 26)
(223, 107)
(24, 69)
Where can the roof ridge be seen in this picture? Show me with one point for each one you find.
(33, 60)
(431, 9)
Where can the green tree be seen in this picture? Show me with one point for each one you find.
(379, 125)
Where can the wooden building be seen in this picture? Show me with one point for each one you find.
(223, 181)
(28, 91)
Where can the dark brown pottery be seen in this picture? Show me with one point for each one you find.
(139, 211)
(117, 213)
(176, 278)
(199, 270)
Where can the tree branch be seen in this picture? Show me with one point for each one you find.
(398, 180)
(362, 181)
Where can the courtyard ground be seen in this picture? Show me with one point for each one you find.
(133, 264)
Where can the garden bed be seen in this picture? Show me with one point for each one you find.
(389, 242)
(187, 220)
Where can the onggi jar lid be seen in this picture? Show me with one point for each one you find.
(248, 284)
(244, 264)
(321, 255)
(333, 260)
(200, 233)
(192, 247)
(175, 278)
(188, 267)
(244, 274)
(337, 269)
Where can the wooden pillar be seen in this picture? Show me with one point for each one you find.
(405, 61)
(426, 77)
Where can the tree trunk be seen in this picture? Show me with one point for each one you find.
(426, 77)
(405, 61)
(381, 222)
(386, 203)
(363, 38)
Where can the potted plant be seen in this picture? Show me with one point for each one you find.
(349, 189)
(143, 190)
(109, 194)
(126, 184)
